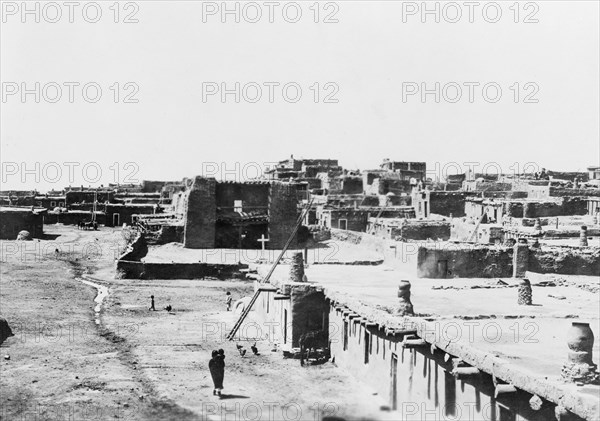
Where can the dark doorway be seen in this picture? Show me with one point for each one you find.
(442, 268)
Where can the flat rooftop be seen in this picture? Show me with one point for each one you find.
(330, 252)
(479, 319)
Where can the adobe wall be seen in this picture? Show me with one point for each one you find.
(293, 310)
(424, 230)
(464, 261)
(274, 314)
(136, 249)
(425, 388)
(529, 209)
(283, 214)
(200, 214)
(474, 261)
(309, 311)
(356, 220)
(565, 260)
(86, 196)
(12, 222)
(511, 194)
(562, 192)
(141, 270)
(251, 195)
(352, 185)
(125, 213)
(447, 203)
(170, 234)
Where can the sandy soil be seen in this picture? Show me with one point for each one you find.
(137, 364)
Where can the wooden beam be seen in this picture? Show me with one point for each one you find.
(502, 389)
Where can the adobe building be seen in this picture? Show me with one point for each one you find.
(357, 219)
(417, 170)
(228, 214)
(498, 210)
(18, 197)
(16, 219)
(83, 199)
(50, 202)
(302, 168)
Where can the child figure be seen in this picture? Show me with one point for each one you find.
(152, 303)
(228, 301)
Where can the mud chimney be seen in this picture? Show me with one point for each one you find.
(580, 368)
(583, 242)
(405, 307)
(297, 267)
(524, 293)
(520, 258)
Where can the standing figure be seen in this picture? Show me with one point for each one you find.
(152, 303)
(221, 367)
(228, 301)
(216, 366)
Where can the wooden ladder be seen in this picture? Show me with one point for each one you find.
(473, 236)
(245, 313)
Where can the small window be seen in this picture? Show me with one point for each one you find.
(52, 204)
(343, 224)
(237, 205)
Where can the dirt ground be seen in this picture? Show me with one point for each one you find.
(67, 362)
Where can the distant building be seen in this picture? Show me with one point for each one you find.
(594, 173)
(417, 170)
(231, 214)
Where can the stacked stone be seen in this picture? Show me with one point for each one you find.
(405, 307)
(297, 267)
(583, 242)
(524, 293)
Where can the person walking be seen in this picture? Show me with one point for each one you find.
(152, 303)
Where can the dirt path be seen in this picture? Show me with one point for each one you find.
(118, 360)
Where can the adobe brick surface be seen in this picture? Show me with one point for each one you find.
(201, 214)
(283, 213)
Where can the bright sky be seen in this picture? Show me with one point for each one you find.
(368, 68)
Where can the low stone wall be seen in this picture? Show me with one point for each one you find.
(141, 270)
(565, 260)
